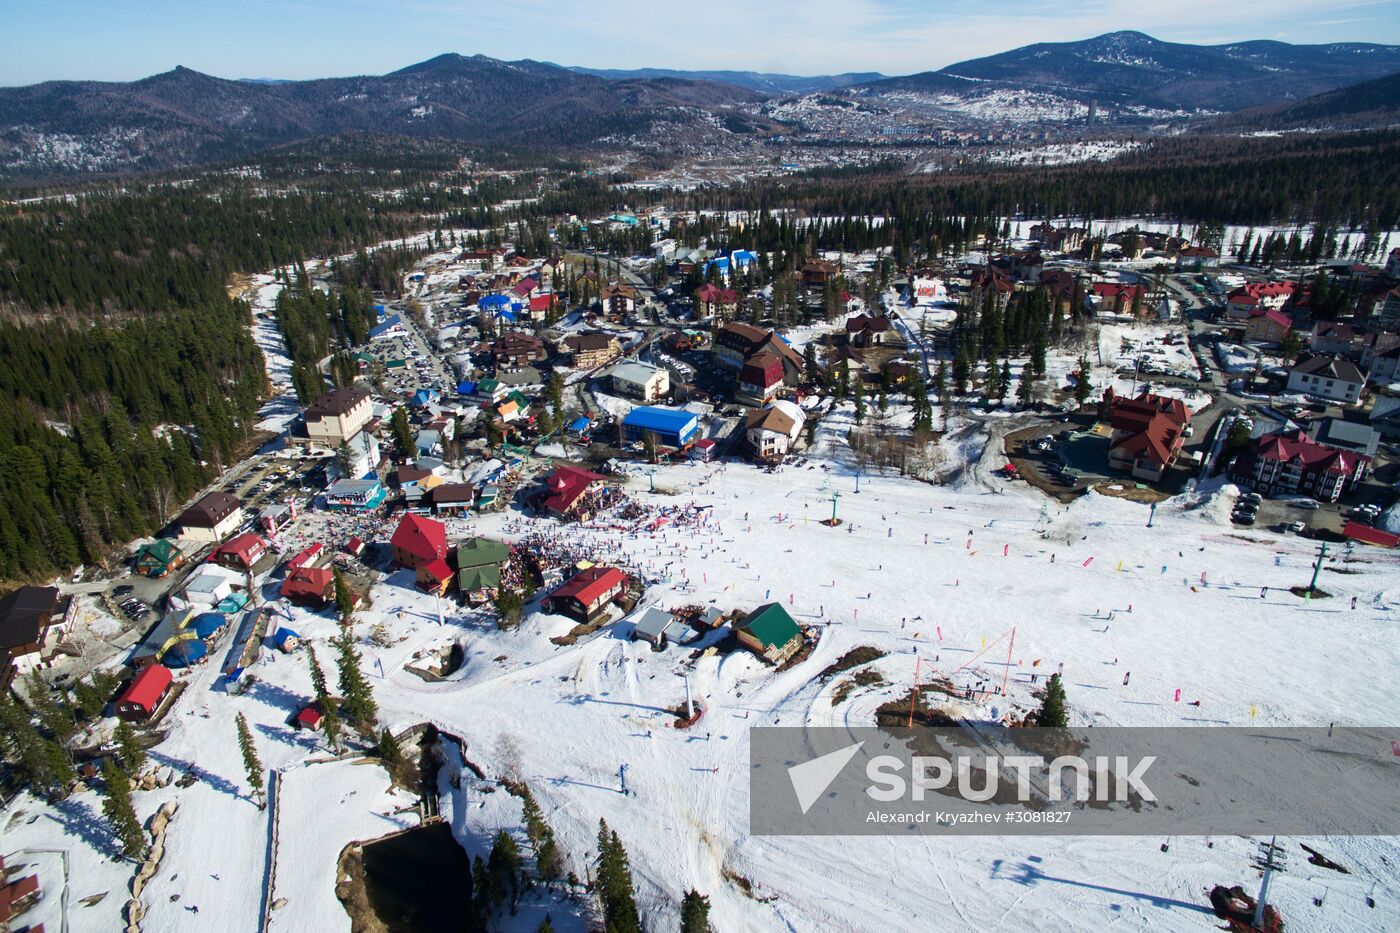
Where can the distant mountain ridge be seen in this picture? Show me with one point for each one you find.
(1133, 69)
(1368, 104)
(185, 117)
(753, 80)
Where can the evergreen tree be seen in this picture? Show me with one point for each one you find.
(1052, 713)
(388, 750)
(53, 712)
(344, 599)
(695, 913)
(614, 884)
(331, 724)
(504, 866)
(403, 432)
(357, 700)
(1083, 384)
(130, 752)
(318, 676)
(1004, 380)
(486, 898)
(1026, 386)
(546, 925)
(548, 861)
(120, 813)
(250, 760)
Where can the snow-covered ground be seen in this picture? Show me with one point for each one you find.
(916, 571)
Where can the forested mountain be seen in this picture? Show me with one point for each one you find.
(1130, 69)
(1370, 103)
(183, 117)
(762, 82)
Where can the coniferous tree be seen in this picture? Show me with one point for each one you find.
(504, 866)
(251, 763)
(1083, 385)
(548, 861)
(1052, 713)
(357, 700)
(120, 813)
(1026, 386)
(695, 913)
(344, 599)
(403, 432)
(318, 676)
(614, 884)
(130, 751)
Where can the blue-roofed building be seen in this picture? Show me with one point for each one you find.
(466, 387)
(185, 652)
(721, 263)
(379, 311)
(742, 258)
(391, 326)
(579, 426)
(284, 639)
(673, 427)
(208, 624)
(425, 397)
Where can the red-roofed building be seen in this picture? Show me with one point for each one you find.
(566, 488)
(308, 586)
(759, 379)
(1267, 326)
(142, 697)
(587, 593)
(240, 551)
(540, 305)
(15, 898)
(867, 330)
(434, 577)
(1117, 297)
(418, 541)
(1257, 296)
(1368, 535)
(713, 301)
(1148, 432)
(1198, 257)
(355, 546)
(526, 288)
(309, 718)
(1291, 463)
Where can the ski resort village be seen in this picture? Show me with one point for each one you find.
(540, 528)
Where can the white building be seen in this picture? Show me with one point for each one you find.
(772, 431)
(211, 584)
(640, 381)
(213, 518)
(1327, 377)
(337, 416)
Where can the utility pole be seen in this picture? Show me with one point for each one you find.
(689, 706)
(1151, 514)
(857, 482)
(834, 496)
(622, 779)
(651, 475)
(1268, 860)
(1317, 567)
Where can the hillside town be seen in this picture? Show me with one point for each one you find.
(645, 499)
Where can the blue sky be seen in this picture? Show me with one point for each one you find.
(126, 39)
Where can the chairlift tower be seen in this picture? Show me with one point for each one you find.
(1269, 859)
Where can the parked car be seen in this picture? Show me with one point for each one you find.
(1243, 518)
(1295, 527)
(126, 589)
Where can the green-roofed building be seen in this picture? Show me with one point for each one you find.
(158, 558)
(479, 568)
(395, 364)
(770, 632)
